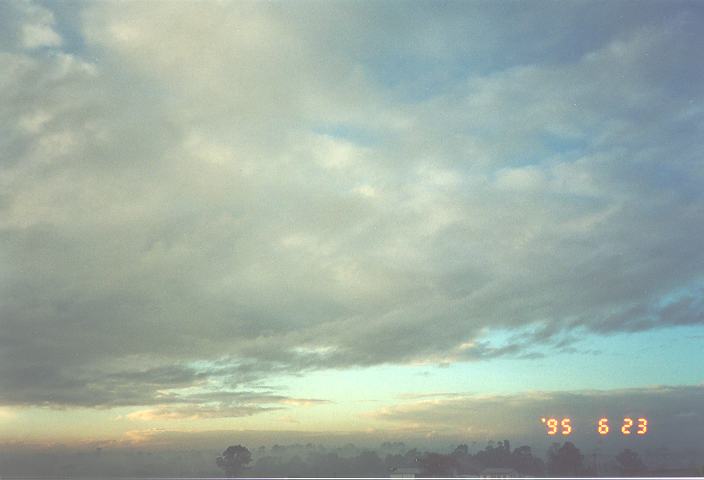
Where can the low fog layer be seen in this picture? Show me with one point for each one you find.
(316, 460)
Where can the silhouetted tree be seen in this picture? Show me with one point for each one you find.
(464, 461)
(234, 460)
(436, 464)
(565, 460)
(367, 463)
(629, 463)
(461, 451)
(495, 455)
(523, 461)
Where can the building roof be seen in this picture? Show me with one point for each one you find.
(406, 470)
(499, 470)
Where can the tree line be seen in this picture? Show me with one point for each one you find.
(563, 460)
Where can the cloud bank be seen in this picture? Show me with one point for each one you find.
(195, 198)
(673, 413)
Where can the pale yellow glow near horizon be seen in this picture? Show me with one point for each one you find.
(80, 425)
(6, 413)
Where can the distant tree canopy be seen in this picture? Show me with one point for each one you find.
(495, 455)
(629, 463)
(234, 460)
(309, 461)
(460, 461)
(566, 460)
(438, 465)
(523, 461)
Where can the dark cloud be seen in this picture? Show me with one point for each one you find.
(220, 392)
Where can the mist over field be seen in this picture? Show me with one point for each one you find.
(428, 457)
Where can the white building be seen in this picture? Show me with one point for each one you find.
(405, 472)
(499, 473)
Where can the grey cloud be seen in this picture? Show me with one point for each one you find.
(216, 395)
(27, 25)
(42, 384)
(166, 201)
(673, 413)
(683, 311)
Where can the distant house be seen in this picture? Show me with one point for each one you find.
(499, 473)
(405, 472)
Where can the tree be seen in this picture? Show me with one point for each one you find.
(522, 459)
(629, 463)
(436, 464)
(234, 460)
(367, 463)
(461, 451)
(495, 455)
(565, 460)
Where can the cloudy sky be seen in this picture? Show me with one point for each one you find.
(404, 217)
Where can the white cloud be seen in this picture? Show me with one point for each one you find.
(28, 26)
(38, 35)
(526, 179)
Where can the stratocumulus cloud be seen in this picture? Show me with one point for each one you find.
(204, 197)
(672, 411)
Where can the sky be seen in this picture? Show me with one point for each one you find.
(394, 219)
